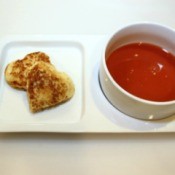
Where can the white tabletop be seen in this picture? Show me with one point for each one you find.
(44, 153)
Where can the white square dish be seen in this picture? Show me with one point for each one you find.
(87, 111)
(63, 55)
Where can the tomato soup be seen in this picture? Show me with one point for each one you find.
(144, 70)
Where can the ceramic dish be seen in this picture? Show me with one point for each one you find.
(151, 33)
(88, 111)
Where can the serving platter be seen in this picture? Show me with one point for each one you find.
(88, 111)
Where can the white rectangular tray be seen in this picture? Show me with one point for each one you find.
(88, 111)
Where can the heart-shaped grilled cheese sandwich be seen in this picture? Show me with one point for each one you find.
(16, 72)
(47, 87)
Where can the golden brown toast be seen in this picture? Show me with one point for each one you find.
(46, 87)
(17, 71)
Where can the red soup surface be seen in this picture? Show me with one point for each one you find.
(144, 70)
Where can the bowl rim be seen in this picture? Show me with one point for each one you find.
(115, 84)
